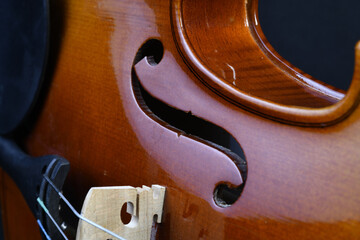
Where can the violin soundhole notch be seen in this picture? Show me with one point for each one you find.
(153, 50)
(185, 123)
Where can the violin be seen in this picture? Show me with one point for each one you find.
(191, 96)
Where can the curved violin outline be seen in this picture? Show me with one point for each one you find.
(303, 116)
(227, 185)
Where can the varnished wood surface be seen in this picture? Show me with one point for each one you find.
(15, 213)
(302, 182)
(224, 45)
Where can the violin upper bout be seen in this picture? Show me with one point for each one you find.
(226, 49)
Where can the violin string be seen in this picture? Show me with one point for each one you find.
(51, 217)
(43, 230)
(79, 215)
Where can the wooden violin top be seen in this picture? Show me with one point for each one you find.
(300, 137)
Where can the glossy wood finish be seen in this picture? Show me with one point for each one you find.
(15, 213)
(224, 45)
(302, 182)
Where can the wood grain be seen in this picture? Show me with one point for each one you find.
(302, 182)
(224, 45)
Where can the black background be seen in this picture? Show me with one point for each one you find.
(317, 36)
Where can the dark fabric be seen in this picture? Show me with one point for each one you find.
(23, 48)
(317, 36)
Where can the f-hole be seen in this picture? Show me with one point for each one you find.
(188, 124)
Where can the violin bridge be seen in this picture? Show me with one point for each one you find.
(103, 206)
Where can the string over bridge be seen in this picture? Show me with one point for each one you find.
(103, 205)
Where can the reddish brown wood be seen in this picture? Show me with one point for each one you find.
(223, 43)
(302, 182)
(17, 218)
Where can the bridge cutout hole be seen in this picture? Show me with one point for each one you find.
(124, 215)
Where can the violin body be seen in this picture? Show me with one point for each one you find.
(302, 171)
